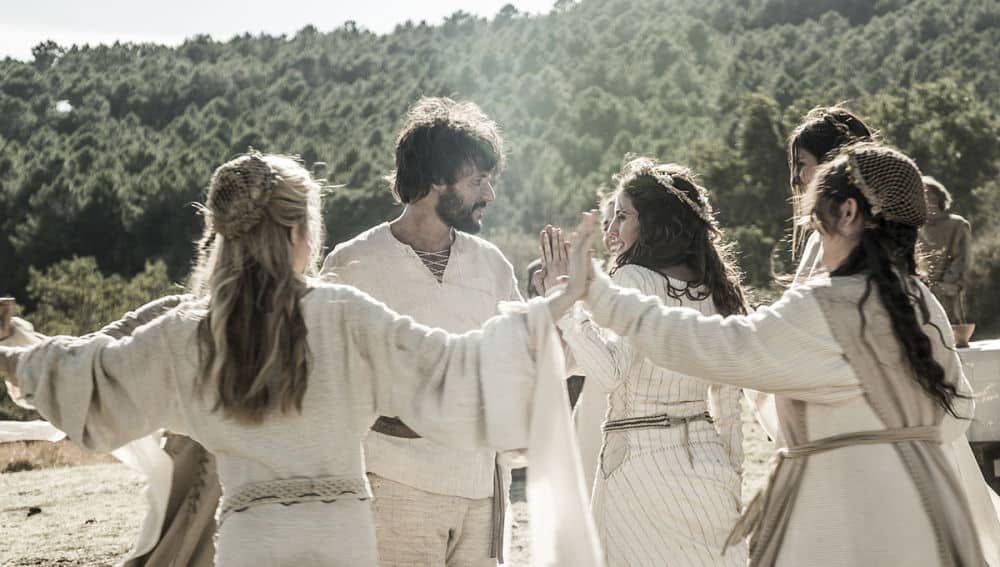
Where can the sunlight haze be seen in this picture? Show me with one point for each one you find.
(67, 22)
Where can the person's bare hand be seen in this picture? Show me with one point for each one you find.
(538, 281)
(579, 256)
(580, 266)
(555, 256)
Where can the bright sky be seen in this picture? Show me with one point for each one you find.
(26, 23)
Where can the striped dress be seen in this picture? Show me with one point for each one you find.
(662, 495)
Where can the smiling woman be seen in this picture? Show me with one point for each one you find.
(667, 482)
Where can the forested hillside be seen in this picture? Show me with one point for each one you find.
(104, 149)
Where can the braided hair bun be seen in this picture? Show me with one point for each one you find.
(238, 194)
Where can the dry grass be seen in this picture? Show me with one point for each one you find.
(85, 515)
(36, 455)
(90, 514)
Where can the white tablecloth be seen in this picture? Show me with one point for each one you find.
(981, 364)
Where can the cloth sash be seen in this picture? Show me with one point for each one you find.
(779, 496)
(863, 328)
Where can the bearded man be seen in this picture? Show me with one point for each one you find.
(435, 506)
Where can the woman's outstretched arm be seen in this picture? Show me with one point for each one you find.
(785, 348)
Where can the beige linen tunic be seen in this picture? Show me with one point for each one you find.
(858, 505)
(472, 390)
(477, 279)
(662, 496)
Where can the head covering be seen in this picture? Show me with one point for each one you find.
(890, 182)
(238, 194)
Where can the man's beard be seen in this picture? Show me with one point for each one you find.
(452, 212)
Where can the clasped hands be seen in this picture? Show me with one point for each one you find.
(567, 262)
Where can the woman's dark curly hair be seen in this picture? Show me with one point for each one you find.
(672, 233)
(886, 255)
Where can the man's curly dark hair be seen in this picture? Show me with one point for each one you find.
(439, 140)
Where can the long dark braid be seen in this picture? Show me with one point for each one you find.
(886, 254)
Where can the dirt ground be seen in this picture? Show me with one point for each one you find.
(89, 514)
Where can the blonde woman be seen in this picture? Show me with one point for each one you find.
(281, 376)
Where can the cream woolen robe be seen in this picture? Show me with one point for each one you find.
(473, 390)
(858, 505)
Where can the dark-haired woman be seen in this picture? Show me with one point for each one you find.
(822, 131)
(816, 138)
(869, 390)
(667, 488)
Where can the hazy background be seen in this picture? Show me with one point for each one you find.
(104, 148)
(27, 23)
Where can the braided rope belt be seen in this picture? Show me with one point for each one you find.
(290, 491)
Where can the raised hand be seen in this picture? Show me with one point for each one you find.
(579, 265)
(555, 257)
(580, 256)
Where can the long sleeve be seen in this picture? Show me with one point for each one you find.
(786, 348)
(601, 354)
(135, 319)
(25, 334)
(101, 391)
(596, 352)
(763, 405)
(466, 391)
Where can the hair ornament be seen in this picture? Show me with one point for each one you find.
(239, 193)
(667, 181)
(890, 182)
(858, 180)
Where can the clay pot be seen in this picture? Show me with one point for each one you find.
(963, 332)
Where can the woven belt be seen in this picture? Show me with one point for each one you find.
(750, 521)
(659, 421)
(653, 421)
(289, 491)
(394, 427)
